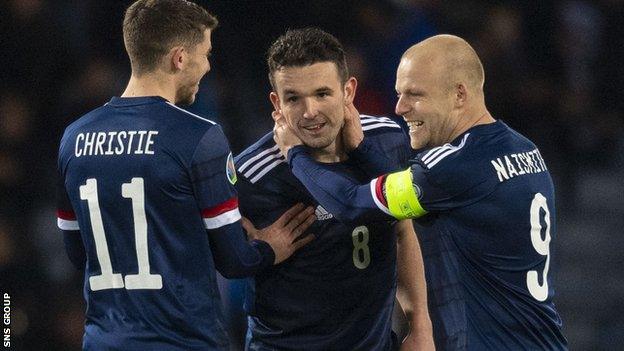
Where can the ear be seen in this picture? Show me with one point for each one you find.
(461, 94)
(178, 57)
(349, 90)
(275, 101)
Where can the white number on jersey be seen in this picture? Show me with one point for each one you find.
(361, 252)
(107, 279)
(539, 292)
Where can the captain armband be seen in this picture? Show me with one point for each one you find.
(401, 196)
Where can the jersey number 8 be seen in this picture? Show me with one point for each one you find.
(361, 251)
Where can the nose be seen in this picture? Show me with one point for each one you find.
(311, 108)
(401, 107)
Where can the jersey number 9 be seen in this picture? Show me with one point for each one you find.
(539, 292)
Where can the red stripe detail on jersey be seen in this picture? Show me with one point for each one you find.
(379, 190)
(66, 215)
(221, 208)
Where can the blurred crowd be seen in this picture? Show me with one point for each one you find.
(552, 73)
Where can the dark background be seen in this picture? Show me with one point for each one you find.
(554, 71)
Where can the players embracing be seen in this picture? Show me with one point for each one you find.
(481, 195)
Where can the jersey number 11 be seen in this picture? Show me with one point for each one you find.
(107, 279)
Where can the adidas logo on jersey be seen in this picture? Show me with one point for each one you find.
(322, 214)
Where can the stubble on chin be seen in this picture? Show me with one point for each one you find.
(317, 143)
(320, 142)
(185, 97)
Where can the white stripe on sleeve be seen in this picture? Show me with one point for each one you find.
(225, 218)
(373, 187)
(65, 224)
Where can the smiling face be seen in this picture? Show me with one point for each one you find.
(425, 102)
(312, 100)
(196, 67)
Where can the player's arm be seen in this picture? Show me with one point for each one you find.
(213, 177)
(412, 288)
(74, 248)
(371, 160)
(66, 221)
(390, 195)
(235, 257)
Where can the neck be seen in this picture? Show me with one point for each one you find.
(150, 85)
(332, 153)
(471, 118)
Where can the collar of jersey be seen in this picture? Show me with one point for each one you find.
(481, 129)
(133, 101)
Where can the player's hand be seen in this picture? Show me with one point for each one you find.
(285, 235)
(352, 133)
(283, 135)
(418, 341)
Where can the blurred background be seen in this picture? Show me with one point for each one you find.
(553, 72)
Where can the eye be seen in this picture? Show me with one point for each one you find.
(292, 98)
(322, 94)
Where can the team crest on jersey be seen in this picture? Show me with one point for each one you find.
(230, 170)
(322, 214)
(418, 191)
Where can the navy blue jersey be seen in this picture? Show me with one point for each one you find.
(486, 242)
(336, 293)
(144, 180)
(489, 220)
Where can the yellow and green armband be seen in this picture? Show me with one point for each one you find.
(401, 197)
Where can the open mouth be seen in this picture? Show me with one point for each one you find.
(414, 124)
(314, 127)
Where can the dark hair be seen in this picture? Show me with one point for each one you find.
(152, 27)
(302, 47)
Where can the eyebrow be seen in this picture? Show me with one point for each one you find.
(411, 91)
(319, 90)
(290, 91)
(323, 89)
